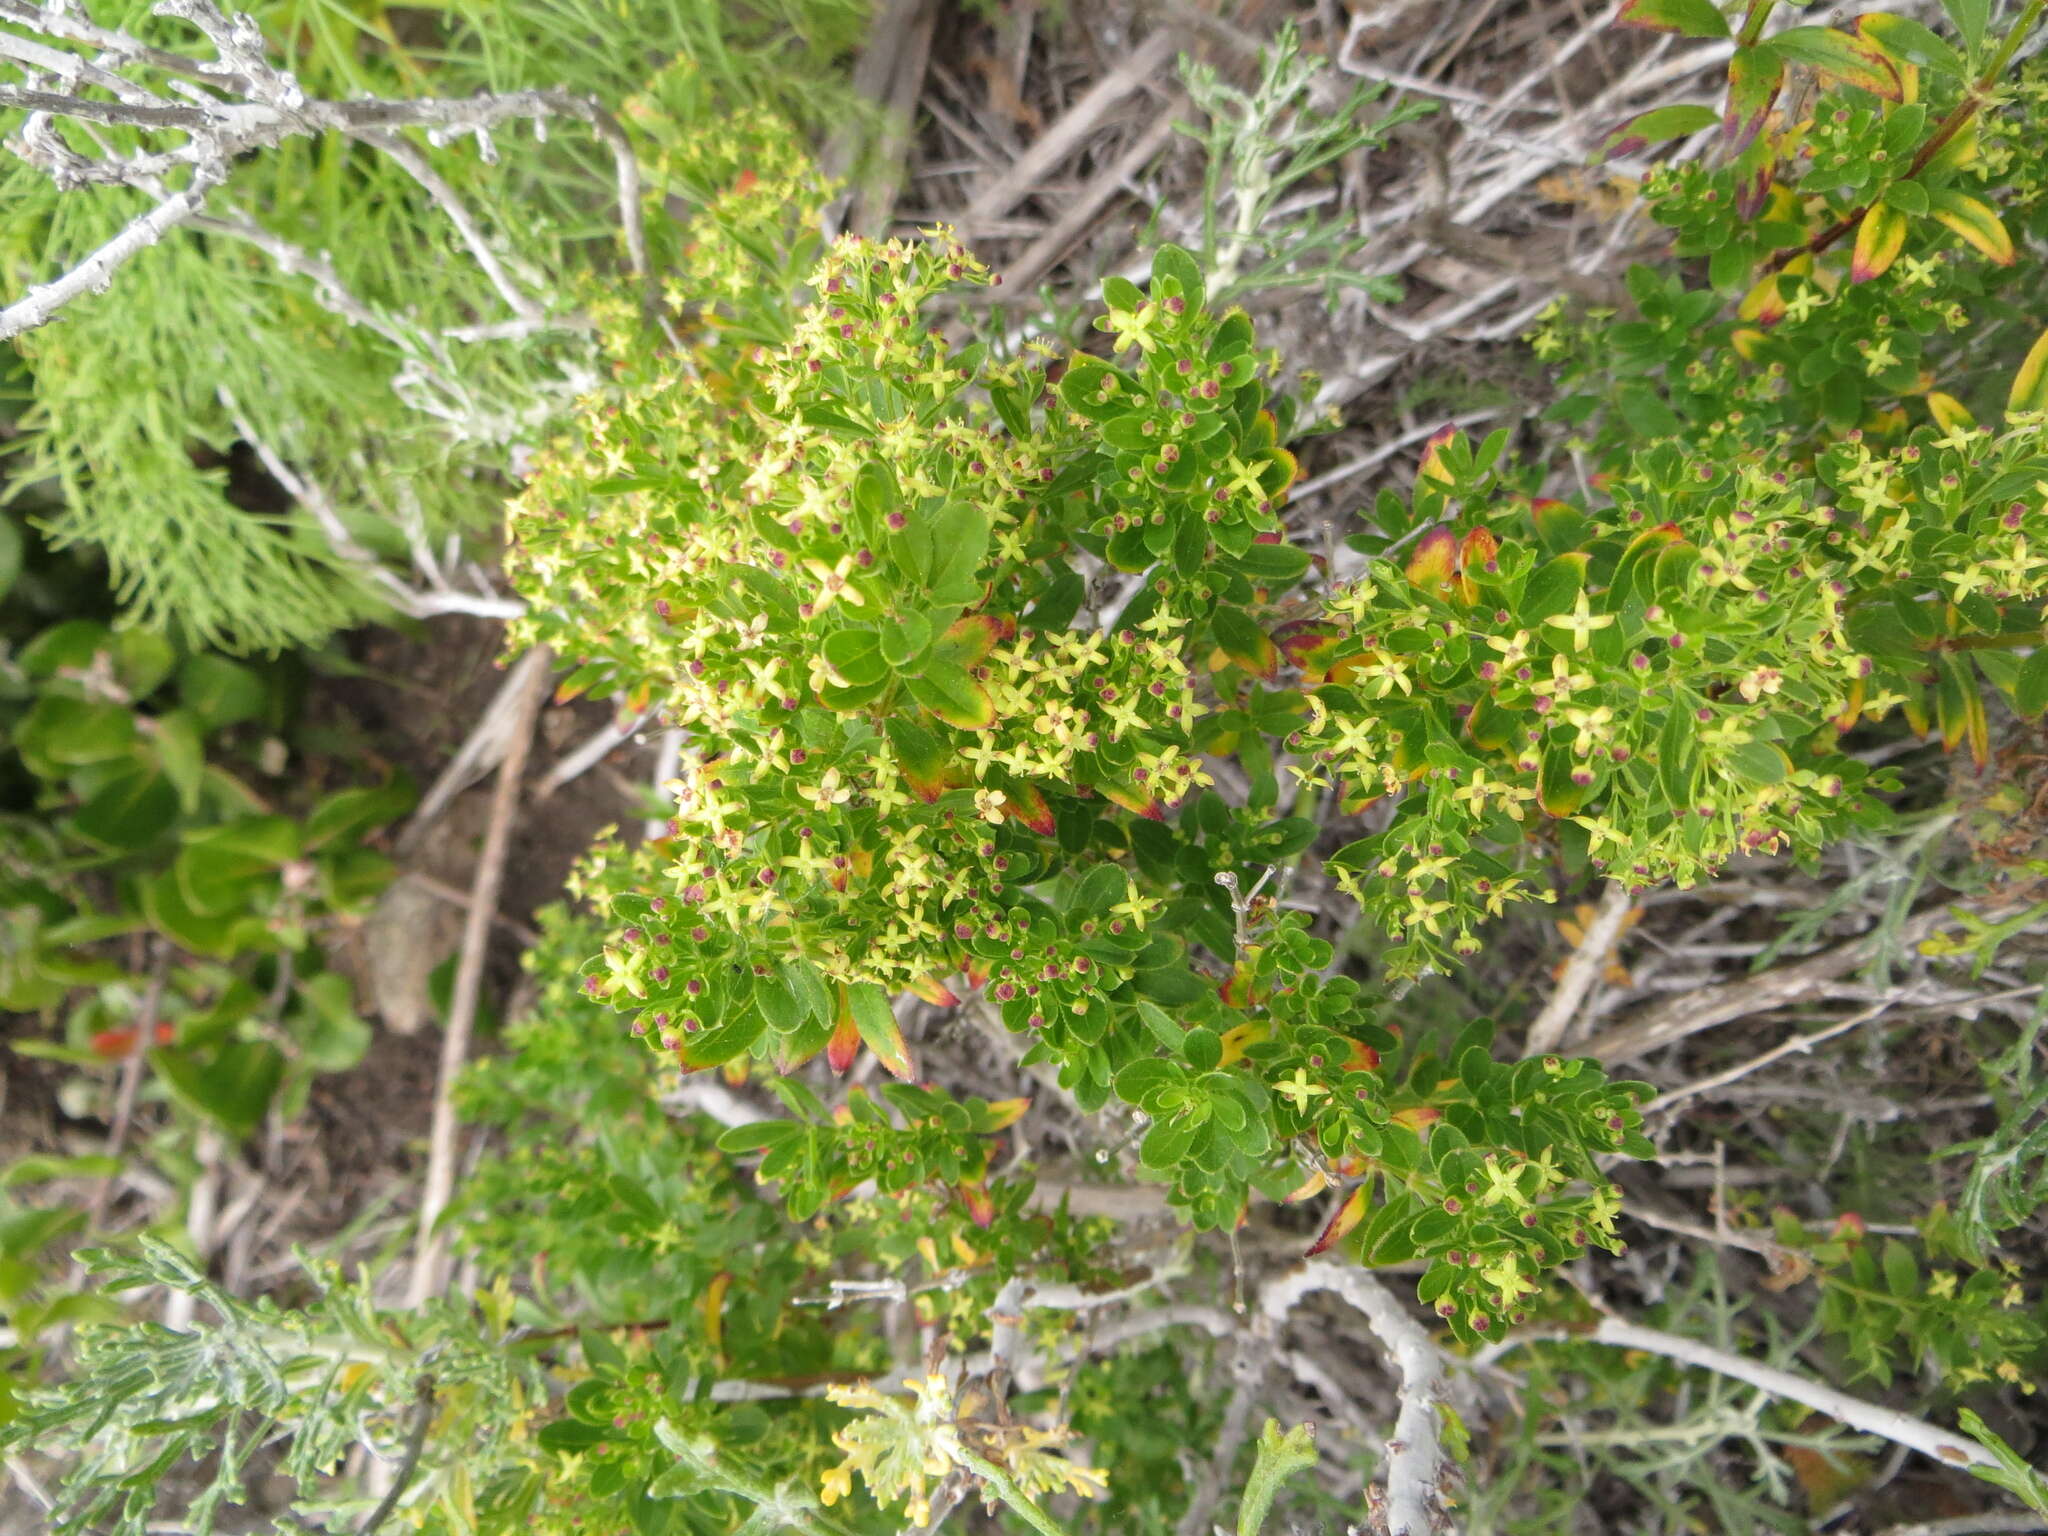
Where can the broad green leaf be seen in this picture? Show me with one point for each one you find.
(332, 1036)
(1755, 77)
(1690, 18)
(349, 813)
(1654, 127)
(73, 732)
(1971, 17)
(234, 1087)
(221, 692)
(945, 688)
(2030, 692)
(856, 656)
(959, 540)
(1840, 56)
(878, 1028)
(1904, 38)
(129, 812)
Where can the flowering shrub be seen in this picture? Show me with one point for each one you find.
(1002, 678)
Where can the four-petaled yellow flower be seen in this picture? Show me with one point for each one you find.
(1581, 622)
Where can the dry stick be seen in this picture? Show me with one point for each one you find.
(1415, 1462)
(1805, 981)
(131, 1075)
(1795, 1045)
(1064, 136)
(1991, 1522)
(1580, 972)
(469, 973)
(1046, 251)
(1946, 1447)
(488, 742)
(443, 891)
(883, 184)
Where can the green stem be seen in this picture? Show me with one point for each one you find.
(1987, 642)
(1753, 23)
(1005, 1488)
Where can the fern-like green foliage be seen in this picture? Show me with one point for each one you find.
(410, 432)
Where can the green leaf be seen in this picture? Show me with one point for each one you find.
(1971, 17)
(1202, 1048)
(729, 1037)
(181, 752)
(1655, 126)
(1553, 588)
(142, 660)
(2030, 383)
(11, 546)
(218, 867)
(1758, 763)
(234, 1088)
(41, 1168)
(1907, 197)
(67, 647)
(856, 655)
(1689, 18)
(221, 692)
(73, 732)
(879, 1031)
(2013, 1472)
(349, 813)
(1171, 261)
(2030, 693)
(959, 541)
(332, 1036)
(758, 1136)
(1840, 56)
(1905, 38)
(945, 688)
(129, 812)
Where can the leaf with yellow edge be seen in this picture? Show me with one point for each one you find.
(1434, 565)
(1948, 412)
(1840, 57)
(1974, 223)
(1959, 153)
(1763, 303)
(2030, 384)
(714, 1311)
(1879, 239)
(1348, 1215)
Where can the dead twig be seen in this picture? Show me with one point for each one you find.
(1053, 146)
(131, 1074)
(1580, 972)
(1803, 982)
(1048, 249)
(428, 1257)
(488, 743)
